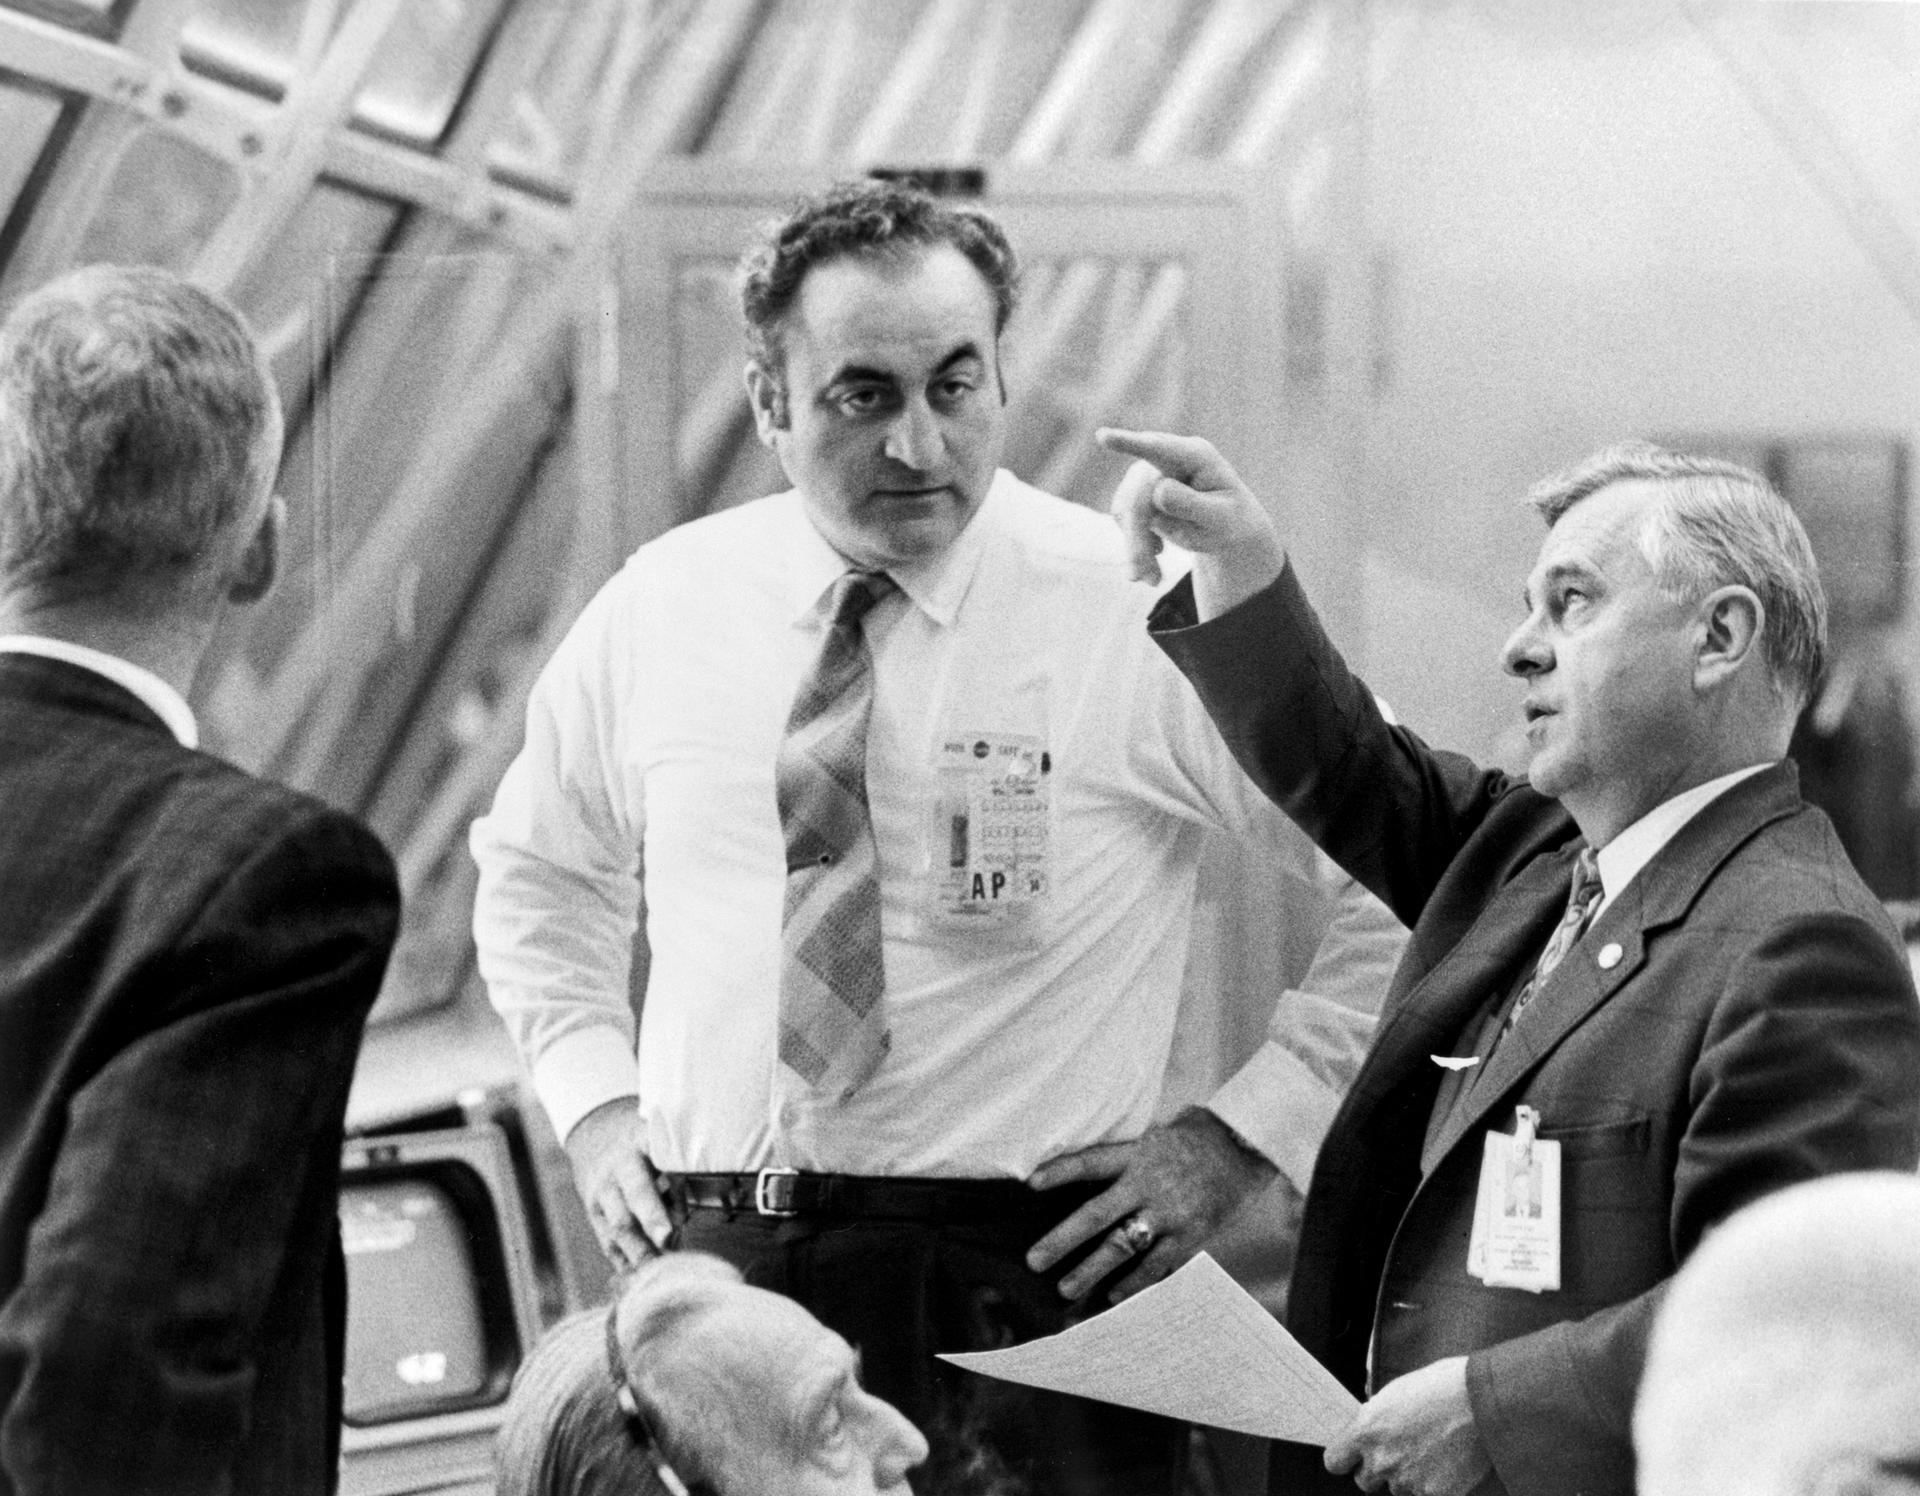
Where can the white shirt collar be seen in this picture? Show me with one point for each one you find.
(1623, 857)
(166, 703)
(936, 585)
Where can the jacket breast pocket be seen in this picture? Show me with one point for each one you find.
(1615, 1202)
(1597, 1140)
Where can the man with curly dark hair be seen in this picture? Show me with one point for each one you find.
(917, 815)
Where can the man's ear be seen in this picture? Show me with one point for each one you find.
(1729, 621)
(259, 564)
(767, 394)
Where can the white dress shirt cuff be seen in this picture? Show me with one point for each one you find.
(1283, 1100)
(583, 1070)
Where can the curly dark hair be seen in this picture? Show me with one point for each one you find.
(863, 220)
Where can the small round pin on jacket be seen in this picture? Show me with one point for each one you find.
(1610, 955)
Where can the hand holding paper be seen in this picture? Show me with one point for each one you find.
(1196, 1346)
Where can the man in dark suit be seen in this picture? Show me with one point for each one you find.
(187, 954)
(1722, 1011)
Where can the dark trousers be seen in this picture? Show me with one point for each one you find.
(902, 1291)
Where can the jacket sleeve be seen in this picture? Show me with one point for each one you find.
(199, 1156)
(1810, 1066)
(1384, 805)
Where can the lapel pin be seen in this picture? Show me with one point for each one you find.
(1610, 955)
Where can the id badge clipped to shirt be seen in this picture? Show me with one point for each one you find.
(991, 828)
(1516, 1213)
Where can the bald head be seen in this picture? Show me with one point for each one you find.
(1786, 1359)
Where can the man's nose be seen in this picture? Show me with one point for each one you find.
(897, 1445)
(913, 437)
(1526, 652)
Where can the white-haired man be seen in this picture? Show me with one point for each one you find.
(1645, 980)
(1786, 1358)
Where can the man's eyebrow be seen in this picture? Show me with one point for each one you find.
(968, 352)
(811, 1409)
(961, 355)
(1560, 571)
(858, 374)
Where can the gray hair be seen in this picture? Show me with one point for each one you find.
(563, 1434)
(1717, 524)
(137, 424)
(685, 1405)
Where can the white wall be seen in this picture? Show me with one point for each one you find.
(1596, 236)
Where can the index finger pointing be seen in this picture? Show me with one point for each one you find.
(1182, 457)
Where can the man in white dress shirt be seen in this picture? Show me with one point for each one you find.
(1040, 785)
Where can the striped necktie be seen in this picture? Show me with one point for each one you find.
(1583, 898)
(833, 1022)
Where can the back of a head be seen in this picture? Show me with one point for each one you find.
(138, 424)
(1786, 1357)
(564, 1434)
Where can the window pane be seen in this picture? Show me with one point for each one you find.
(410, 91)
(293, 296)
(26, 117)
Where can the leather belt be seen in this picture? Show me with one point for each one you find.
(782, 1194)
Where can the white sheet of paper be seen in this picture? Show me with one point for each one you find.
(1195, 1346)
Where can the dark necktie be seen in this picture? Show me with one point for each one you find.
(833, 1022)
(1583, 899)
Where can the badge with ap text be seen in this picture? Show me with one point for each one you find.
(991, 826)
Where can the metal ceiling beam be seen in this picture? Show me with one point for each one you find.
(323, 674)
(1742, 38)
(1229, 31)
(234, 126)
(1302, 62)
(138, 74)
(1085, 61)
(315, 105)
(840, 45)
(940, 31)
(984, 71)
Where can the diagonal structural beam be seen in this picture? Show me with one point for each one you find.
(314, 106)
(1287, 87)
(941, 31)
(1229, 32)
(983, 75)
(1741, 38)
(1082, 66)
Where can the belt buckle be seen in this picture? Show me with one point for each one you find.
(773, 1192)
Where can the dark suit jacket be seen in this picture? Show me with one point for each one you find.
(187, 956)
(1758, 1026)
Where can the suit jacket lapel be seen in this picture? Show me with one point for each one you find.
(1658, 898)
(1429, 1019)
